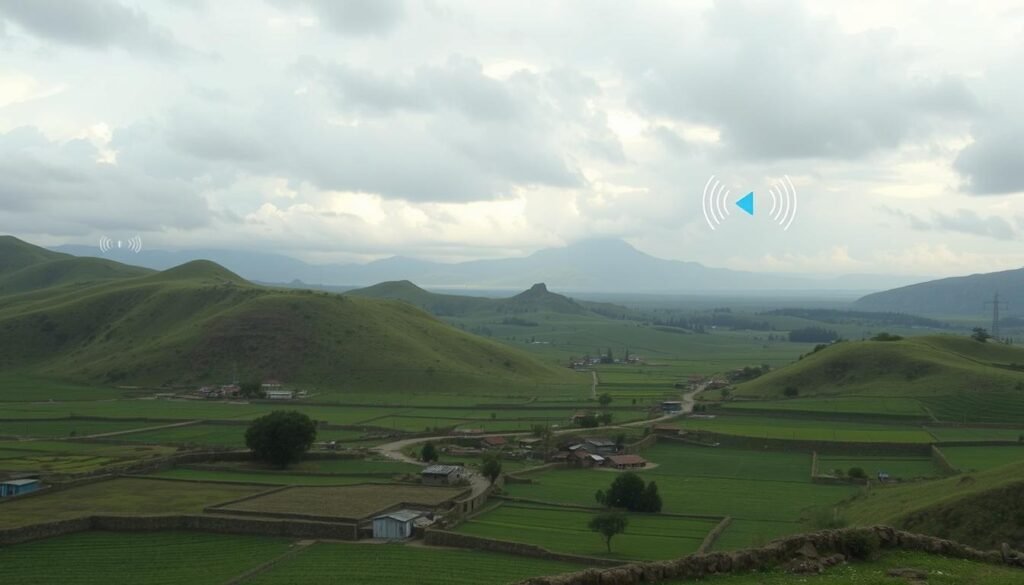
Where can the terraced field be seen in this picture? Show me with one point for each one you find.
(354, 501)
(900, 468)
(391, 565)
(648, 537)
(981, 458)
(796, 429)
(150, 558)
(876, 406)
(65, 428)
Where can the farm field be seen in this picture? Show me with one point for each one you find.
(875, 406)
(941, 571)
(976, 434)
(70, 456)
(280, 478)
(66, 428)
(392, 564)
(150, 558)
(981, 458)
(564, 530)
(807, 429)
(353, 501)
(770, 488)
(898, 468)
(215, 435)
(988, 407)
(122, 497)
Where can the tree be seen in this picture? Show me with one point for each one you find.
(250, 389)
(605, 418)
(856, 473)
(605, 399)
(625, 492)
(491, 468)
(608, 524)
(620, 441)
(650, 501)
(589, 421)
(600, 498)
(280, 437)
(980, 334)
(428, 453)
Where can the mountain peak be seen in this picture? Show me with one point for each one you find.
(201, 269)
(540, 287)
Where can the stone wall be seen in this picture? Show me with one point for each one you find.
(825, 543)
(790, 445)
(712, 537)
(433, 537)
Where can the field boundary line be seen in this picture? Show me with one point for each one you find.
(712, 537)
(268, 565)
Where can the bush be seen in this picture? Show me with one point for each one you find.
(857, 473)
(280, 437)
(861, 545)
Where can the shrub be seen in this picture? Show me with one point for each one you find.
(861, 545)
(857, 473)
(280, 437)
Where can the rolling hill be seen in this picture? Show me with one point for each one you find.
(24, 267)
(198, 322)
(919, 366)
(962, 295)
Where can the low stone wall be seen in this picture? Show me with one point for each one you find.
(939, 459)
(432, 537)
(712, 537)
(774, 554)
(830, 447)
(818, 415)
(217, 524)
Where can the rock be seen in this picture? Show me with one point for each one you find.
(807, 551)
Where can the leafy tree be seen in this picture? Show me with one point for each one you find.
(429, 452)
(856, 473)
(589, 421)
(250, 389)
(650, 501)
(491, 468)
(608, 524)
(605, 399)
(620, 441)
(626, 491)
(605, 418)
(600, 498)
(280, 437)
(980, 334)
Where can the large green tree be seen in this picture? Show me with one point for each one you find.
(281, 437)
(608, 524)
(491, 468)
(625, 492)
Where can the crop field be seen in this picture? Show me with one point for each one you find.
(268, 478)
(70, 456)
(65, 428)
(988, 407)
(648, 537)
(21, 387)
(976, 434)
(392, 565)
(770, 488)
(982, 458)
(122, 497)
(808, 429)
(940, 570)
(150, 558)
(870, 405)
(222, 435)
(354, 501)
(902, 468)
(55, 463)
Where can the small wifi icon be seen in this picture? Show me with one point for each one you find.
(716, 204)
(133, 244)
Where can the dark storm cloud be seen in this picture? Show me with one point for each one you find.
(59, 188)
(354, 17)
(994, 163)
(96, 24)
(782, 84)
(963, 221)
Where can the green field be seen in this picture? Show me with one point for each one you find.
(345, 502)
(648, 537)
(393, 564)
(940, 570)
(164, 558)
(282, 478)
(976, 434)
(223, 435)
(807, 429)
(982, 458)
(69, 428)
(898, 468)
(122, 497)
(874, 406)
(71, 456)
(772, 489)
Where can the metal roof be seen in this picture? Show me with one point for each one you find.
(441, 470)
(600, 441)
(401, 515)
(19, 481)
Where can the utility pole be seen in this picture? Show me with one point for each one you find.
(996, 305)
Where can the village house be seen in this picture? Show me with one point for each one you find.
(600, 445)
(493, 442)
(529, 443)
(397, 525)
(582, 458)
(671, 406)
(666, 430)
(626, 462)
(442, 474)
(17, 487)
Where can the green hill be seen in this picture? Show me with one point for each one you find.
(919, 366)
(441, 305)
(961, 295)
(981, 509)
(24, 267)
(199, 322)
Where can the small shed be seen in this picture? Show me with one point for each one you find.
(16, 487)
(395, 525)
(600, 445)
(627, 462)
(672, 406)
(442, 474)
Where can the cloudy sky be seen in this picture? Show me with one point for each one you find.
(336, 130)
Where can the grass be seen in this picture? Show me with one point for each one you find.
(982, 458)
(121, 497)
(282, 478)
(354, 501)
(71, 456)
(215, 435)
(65, 428)
(648, 537)
(941, 571)
(874, 406)
(976, 434)
(393, 564)
(142, 559)
(984, 407)
(808, 429)
(900, 468)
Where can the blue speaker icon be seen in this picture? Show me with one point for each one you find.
(716, 207)
(747, 203)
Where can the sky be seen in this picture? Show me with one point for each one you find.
(337, 131)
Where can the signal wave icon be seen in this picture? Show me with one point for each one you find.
(714, 202)
(784, 202)
(133, 244)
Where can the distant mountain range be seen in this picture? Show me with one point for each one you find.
(960, 295)
(602, 265)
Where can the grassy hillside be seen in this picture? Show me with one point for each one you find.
(199, 322)
(962, 295)
(981, 509)
(920, 366)
(24, 268)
